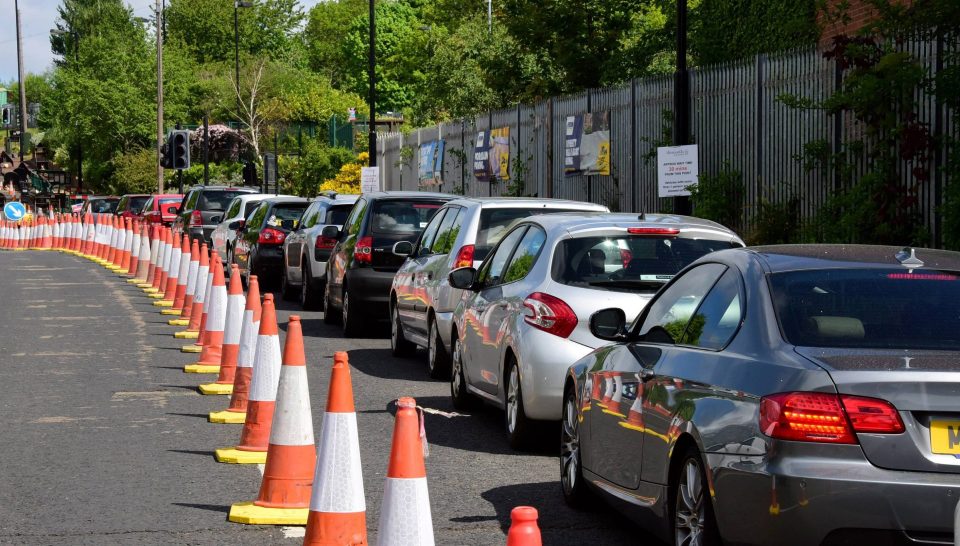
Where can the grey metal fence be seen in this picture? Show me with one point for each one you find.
(737, 121)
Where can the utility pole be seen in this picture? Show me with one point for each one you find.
(681, 98)
(23, 88)
(206, 150)
(159, 97)
(373, 87)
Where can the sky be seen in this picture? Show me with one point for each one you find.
(37, 18)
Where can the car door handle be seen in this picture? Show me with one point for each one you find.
(646, 374)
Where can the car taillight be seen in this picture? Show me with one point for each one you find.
(196, 219)
(823, 417)
(653, 231)
(464, 257)
(271, 236)
(363, 251)
(325, 243)
(625, 257)
(550, 314)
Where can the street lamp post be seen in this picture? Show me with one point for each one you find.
(76, 59)
(236, 41)
(373, 87)
(22, 85)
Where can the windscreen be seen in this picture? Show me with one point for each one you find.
(869, 308)
(404, 217)
(337, 214)
(286, 216)
(627, 263)
(104, 205)
(135, 205)
(216, 199)
(494, 223)
(169, 200)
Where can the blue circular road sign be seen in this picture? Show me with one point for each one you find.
(14, 211)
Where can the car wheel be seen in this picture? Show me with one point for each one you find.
(515, 419)
(286, 291)
(693, 521)
(308, 294)
(575, 490)
(462, 399)
(349, 317)
(329, 317)
(438, 360)
(399, 345)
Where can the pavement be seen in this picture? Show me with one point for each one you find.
(104, 439)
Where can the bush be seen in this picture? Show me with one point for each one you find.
(304, 175)
(719, 197)
(776, 223)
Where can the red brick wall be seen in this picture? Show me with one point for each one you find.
(857, 15)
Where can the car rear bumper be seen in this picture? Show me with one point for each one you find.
(544, 360)
(370, 291)
(797, 497)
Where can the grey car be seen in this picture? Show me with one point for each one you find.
(788, 395)
(203, 208)
(461, 234)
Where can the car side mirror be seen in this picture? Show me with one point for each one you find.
(463, 278)
(609, 324)
(403, 248)
(239, 224)
(330, 232)
(173, 209)
(216, 219)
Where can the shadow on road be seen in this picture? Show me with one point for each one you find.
(211, 507)
(380, 363)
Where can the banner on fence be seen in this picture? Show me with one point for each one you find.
(430, 168)
(491, 155)
(481, 158)
(677, 170)
(587, 144)
(571, 156)
(370, 179)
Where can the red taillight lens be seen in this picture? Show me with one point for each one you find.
(196, 218)
(271, 236)
(652, 231)
(464, 257)
(325, 243)
(823, 417)
(550, 314)
(363, 251)
(625, 257)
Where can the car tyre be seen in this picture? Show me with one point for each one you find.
(329, 316)
(438, 360)
(516, 423)
(309, 299)
(349, 318)
(461, 398)
(399, 345)
(691, 510)
(575, 490)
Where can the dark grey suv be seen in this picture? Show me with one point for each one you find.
(203, 208)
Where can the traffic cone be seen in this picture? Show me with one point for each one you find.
(405, 512)
(523, 527)
(183, 272)
(338, 511)
(236, 413)
(231, 338)
(613, 405)
(203, 281)
(212, 336)
(191, 282)
(163, 259)
(131, 271)
(169, 287)
(201, 334)
(143, 257)
(284, 497)
(254, 437)
(127, 245)
(154, 259)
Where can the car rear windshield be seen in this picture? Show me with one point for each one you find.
(168, 200)
(216, 199)
(869, 308)
(286, 216)
(494, 223)
(408, 216)
(337, 214)
(104, 205)
(627, 263)
(135, 204)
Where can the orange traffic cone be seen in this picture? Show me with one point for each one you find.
(212, 335)
(172, 268)
(201, 283)
(154, 259)
(143, 257)
(134, 251)
(163, 260)
(405, 513)
(523, 527)
(231, 338)
(236, 413)
(254, 439)
(338, 511)
(127, 253)
(193, 269)
(183, 271)
(201, 333)
(284, 497)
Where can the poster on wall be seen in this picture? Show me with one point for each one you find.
(369, 180)
(481, 158)
(587, 144)
(430, 166)
(500, 153)
(677, 169)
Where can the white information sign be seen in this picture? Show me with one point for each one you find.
(677, 169)
(370, 179)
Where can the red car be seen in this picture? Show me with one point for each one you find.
(161, 209)
(132, 204)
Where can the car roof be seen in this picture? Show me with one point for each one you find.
(168, 195)
(137, 195)
(345, 199)
(580, 221)
(517, 202)
(281, 200)
(779, 258)
(422, 194)
(229, 188)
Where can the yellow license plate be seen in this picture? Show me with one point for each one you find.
(945, 437)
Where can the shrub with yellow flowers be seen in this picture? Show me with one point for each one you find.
(348, 179)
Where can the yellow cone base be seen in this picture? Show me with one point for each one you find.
(202, 368)
(227, 417)
(178, 322)
(251, 514)
(163, 303)
(147, 287)
(116, 269)
(171, 312)
(216, 388)
(187, 334)
(156, 295)
(191, 349)
(631, 426)
(232, 455)
(134, 281)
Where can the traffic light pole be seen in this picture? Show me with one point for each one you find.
(372, 69)
(22, 85)
(160, 98)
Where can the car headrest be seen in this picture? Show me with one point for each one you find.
(838, 327)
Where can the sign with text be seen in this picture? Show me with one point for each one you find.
(370, 179)
(677, 169)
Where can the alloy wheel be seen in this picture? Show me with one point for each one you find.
(394, 328)
(569, 446)
(513, 405)
(690, 506)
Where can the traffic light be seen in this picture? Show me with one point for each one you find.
(180, 149)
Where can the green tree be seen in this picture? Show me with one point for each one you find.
(323, 36)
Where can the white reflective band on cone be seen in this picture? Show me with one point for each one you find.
(206, 279)
(234, 322)
(192, 272)
(405, 499)
(295, 428)
(338, 486)
(266, 375)
(217, 309)
(248, 340)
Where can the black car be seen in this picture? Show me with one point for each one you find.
(361, 268)
(258, 249)
(203, 208)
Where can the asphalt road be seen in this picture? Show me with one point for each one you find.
(104, 439)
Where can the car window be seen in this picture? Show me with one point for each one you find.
(717, 318)
(135, 205)
(168, 200)
(449, 231)
(122, 205)
(492, 269)
(249, 206)
(216, 200)
(337, 215)
(255, 221)
(148, 206)
(430, 233)
(406, 216)
(526, 255)
(309, 218)
(192, 200)
(234, 209)
(494, 223)
(671, 311)
(356, 217)
(286, 215)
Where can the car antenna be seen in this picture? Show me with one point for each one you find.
(908, 258)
